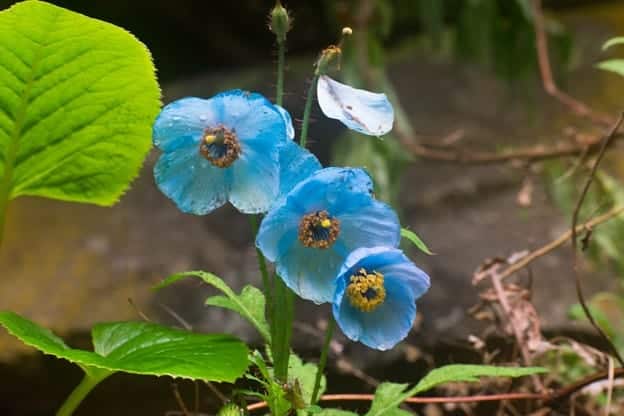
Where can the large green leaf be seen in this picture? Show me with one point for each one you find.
(250, 304)
(142, 348)
(77, 100)
(470, 372)
(390, 395)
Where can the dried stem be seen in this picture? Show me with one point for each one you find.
(559, 241)
(527, 154)
(573, 234)
(550, 399)
(502, 298)
(551, 88)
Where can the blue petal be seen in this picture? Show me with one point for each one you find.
(329, 188)
(296, 165)
(255, 119)
(360, 110)
(309, 272)
(391, 322)
(366, 222)
(290, 129)
(391, 262)
(383, 327)
(195, 185)
(255, 179)
(183, 122)
(278, 232)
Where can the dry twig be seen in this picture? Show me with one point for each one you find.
(573, 234)
(551, 88)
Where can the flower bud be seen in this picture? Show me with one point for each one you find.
(329, 60)
(280, 22)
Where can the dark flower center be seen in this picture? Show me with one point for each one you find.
(366, 290)
(318, 230)
(220, 146)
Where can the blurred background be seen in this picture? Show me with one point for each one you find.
(461, 73)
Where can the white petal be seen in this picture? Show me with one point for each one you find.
(360, 110)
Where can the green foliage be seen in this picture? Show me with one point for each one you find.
(608, 312)
(250, 304)
(414, 239)
(274, 393)
(390, 395)
(141, 348)
(77, 100)
(335, 412)
(469, 372)
(613, 65)
(303, 375)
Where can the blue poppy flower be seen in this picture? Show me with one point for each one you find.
(376, 292)
(360, 110)
(225, 148)
(310, 232)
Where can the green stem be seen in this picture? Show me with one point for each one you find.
(306, 112)
(329, 333)
(90, 380)
(281, 59)
(281, 328)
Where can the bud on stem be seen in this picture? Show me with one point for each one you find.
(280, 22)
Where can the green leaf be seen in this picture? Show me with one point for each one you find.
(469, 372)
(335, 412)
(250, 304)
(411, 236)
(77, 100)
(305, 375)
(613, 65)
(612, 42)
(390, 395)
(141, 348)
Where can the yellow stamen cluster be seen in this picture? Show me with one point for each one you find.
(366, 290)
(220, 136)
(318, 230)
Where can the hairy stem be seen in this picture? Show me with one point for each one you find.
(281, 58)
(307, 111)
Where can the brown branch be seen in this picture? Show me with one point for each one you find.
(559, 241)
(527, 154)
(550, 399)
(573, 234)
(551, 88)
(565, 392)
